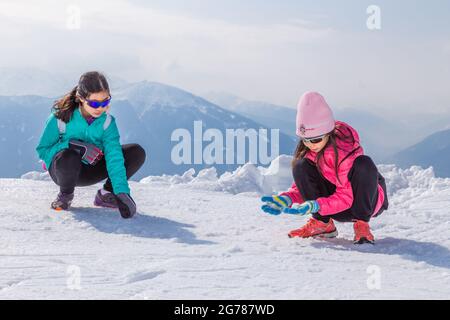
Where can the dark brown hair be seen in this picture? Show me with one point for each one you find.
(337, 134)
(90, 82)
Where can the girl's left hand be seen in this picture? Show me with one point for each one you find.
(304, 208)
(127, 206)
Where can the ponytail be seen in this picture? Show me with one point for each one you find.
(64, 107)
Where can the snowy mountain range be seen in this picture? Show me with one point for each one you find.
(160, 109)
(21, 123)
(432, 151)
(147, 113)
(269, 114)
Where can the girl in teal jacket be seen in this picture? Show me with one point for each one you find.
(80, 146)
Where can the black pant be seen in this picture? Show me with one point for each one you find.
(69, 172)
(364, 178)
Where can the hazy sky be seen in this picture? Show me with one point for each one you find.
(262, 50)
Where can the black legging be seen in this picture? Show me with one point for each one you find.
(364, 178)
(69, 172)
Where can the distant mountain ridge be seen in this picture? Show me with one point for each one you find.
(146, 112)
(432, 151)
(161, 109)
(381, 137)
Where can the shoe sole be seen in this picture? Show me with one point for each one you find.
(104, 206)
(328, 235)
(364, 240)
(61, 208)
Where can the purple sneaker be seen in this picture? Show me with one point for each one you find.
(107, 200)
(63, 201)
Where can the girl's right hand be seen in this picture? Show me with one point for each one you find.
(90, 154)
(275, 204)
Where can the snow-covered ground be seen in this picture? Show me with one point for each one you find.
(204, 237)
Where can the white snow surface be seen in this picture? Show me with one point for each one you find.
(205, 237)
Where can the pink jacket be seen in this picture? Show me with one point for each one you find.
(342, 199)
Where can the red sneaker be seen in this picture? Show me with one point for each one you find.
(362, 233)
(315, 228)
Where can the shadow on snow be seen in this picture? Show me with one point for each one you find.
(428, 252)
(110, 221)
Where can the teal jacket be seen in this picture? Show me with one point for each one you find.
(108, 140)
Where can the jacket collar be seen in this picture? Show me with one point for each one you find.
(78, 112)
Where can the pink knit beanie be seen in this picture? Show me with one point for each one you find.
(314, 116)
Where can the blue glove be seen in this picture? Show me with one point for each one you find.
(304, 208)
(275, 204)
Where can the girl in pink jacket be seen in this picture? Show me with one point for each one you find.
(333, 179)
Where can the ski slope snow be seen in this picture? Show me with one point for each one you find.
(204, 237)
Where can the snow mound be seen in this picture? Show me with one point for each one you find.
(36, 175)
(247, 178)
(278, 177)
(415, 178)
